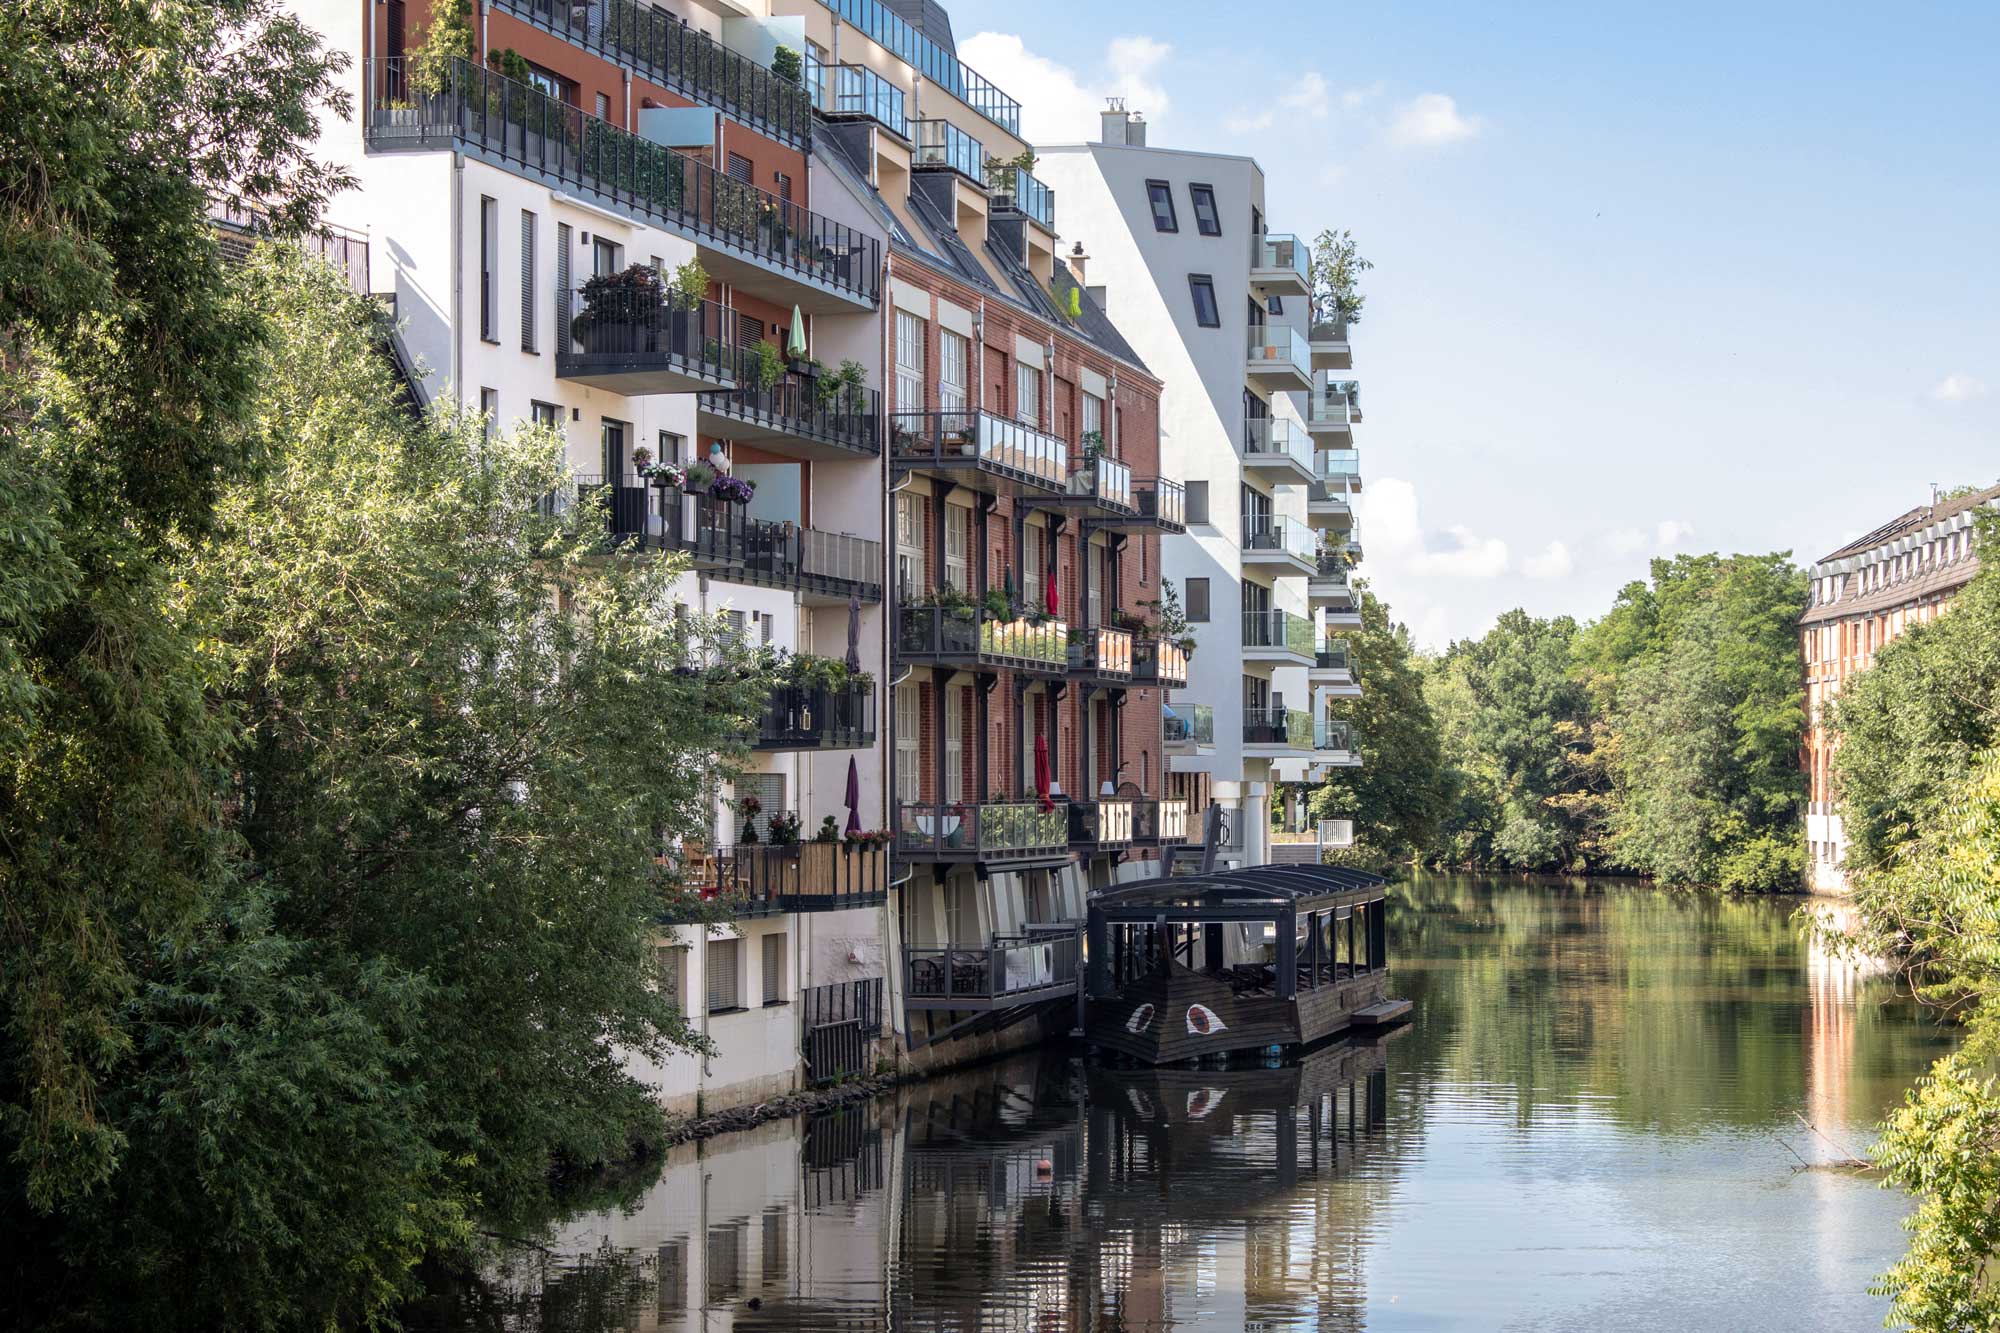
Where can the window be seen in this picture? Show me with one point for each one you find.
(909, 362)
(672, 446)
(723, 979)
(546, 414)
(954, 743)
(909, 774)
(489, 407)
(1206, 220)
(1034, 562)
(673, 973)
(1093, 419)
(774, 967)
(954, 356)
(1274, 305)
(1161, 196)
(1197, 601)
(1197, 502)
(528, 283)
(909, 543)
(957, 544)
(548, 82)
(749, 331)
(563, 297)
(604, 106)
(1027, 394)
(613, 440)
(1206, 312)
(489, 245)
(741, 169)
(784, 187)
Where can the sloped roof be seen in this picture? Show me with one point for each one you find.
(1920, 517)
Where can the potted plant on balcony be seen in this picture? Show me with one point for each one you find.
(829, 830)
(784, 828)
(621, 311)
(747, 810)
(726, 489)
(996, 605)
(1092, 446)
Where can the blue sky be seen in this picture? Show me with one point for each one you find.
(1690, 278)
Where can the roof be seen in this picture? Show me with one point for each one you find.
(1276, 884)
(1920, 517)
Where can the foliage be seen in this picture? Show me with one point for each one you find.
(511, 64)
(787, 64)
(766, 362)
(447, 40)
(1335, 274)
(1911, 722)
(126, 373)
(1399, 794)
(1173, 620)
(689, 286)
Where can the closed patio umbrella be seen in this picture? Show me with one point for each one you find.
(854, 631)
(796, 344)
(1051, 607)
(1042, 769)
(853, 796)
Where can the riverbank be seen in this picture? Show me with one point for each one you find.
(810, 1101)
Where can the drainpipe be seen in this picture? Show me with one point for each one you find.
(457, 268)
(484, 11)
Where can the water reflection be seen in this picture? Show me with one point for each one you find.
(1592, 1123)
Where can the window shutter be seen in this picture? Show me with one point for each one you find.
(722, 975)
(774, 967)
(769, 789)
(740, 168)
(527, 281)
(562, 278)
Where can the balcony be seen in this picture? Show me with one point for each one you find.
(1280, 543)
(1281, 264)
(1102, 486)
(817, 717)
(937, 63)
(1328, 418)
(1350, 543)
(1105, 825)
(656, 45)
(845, 92)
(783, 252)
(983, 451)
(1330, 502)
(1039, 965)
(1014, 188)
(620, 335)
(1267, 730)
(764, 879)
(1187, 728)
(1277, 637)
(942, 144)
(1160, 662)
(1165, 502)
(1337, 743)
(1159, 823)
(1328, 583)
(1278, 450)
(800, 416)
(971, 636)
(1330, 348)
(1277, 358)
(1333, 666)
(1344, 392)
(1101, 655)
(992, 832)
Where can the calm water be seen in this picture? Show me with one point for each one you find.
(1593, 1123)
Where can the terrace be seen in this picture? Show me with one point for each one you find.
(965, 635)
(981, 450)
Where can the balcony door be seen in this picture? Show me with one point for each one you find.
(958, 547)
(1034, 564)
(1100, 582)
(909, 362)
(956, 698)
(909, 736)
(954, 372)
(910, 545)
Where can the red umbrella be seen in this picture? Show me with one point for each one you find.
(1052, 608)
(1042, 754)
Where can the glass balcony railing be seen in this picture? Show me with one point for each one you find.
(856, 90)
(1332, 655)
(1019, 190)
(1279, 631)
(1337, 464)
(972, 633)
(939, 64)
(1038, 965)
(1345, 393)
(948, 439)
(943, 144)
(1103, 822)
(965, 830)
(1105, 480)
(1281, 252)
(1327, 412)
(1172, 821)
(1278, 347)
(1163, 501)
(1159, 662)
(1330, 331)
(1188, 724)
(1291, 727)
(1331, 734)
(1279, 534)
(1272, 439)
(1101, 652)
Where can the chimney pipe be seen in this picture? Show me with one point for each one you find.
(1113, 120)
(1077, 259)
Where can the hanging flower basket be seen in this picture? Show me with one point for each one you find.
(732, 490)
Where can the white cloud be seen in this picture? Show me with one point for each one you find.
(1959, 388)
(1352, 99)
(1625, 541)
(1672, 532)
(1059, 104)
(1553, 563)
(1432, 120)
(1390, 524)
(1666, 535)
(1312, 98)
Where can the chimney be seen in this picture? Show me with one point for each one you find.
(1135, 131)
(1076, 259)
(1113, 119)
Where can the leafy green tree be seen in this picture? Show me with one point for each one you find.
(1335, 273)
(447, 40)
(125, 377)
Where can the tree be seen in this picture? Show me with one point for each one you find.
(125, 380)
(1398, 795)
(447, 40)
(1336, 272)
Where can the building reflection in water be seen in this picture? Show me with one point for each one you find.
(1032, 1194)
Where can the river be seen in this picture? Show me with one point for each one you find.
(1593, 1122)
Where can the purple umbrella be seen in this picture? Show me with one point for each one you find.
(853, 796)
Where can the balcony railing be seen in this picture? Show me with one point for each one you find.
(1331, 734)
(937, 63)
(1106, 823)
(1276, 532)
(1105, 480)
(1155, 822)
(1332, 655)
(1189, 724)
(1163, 501)
(817, 717)
(486, 113)
(1330, 566)
(1278, 347)
(1290, 727)
(847, 416)
(744, 549)
(943, 144)
(1278, 630)
(619, 332)
(947, 634)
(1013, 969)
(1017, 189)
(856, 90)
(1281, 251)
(1102, 652)
(1329, 331)
(1327, 412)
(1159, 662)
(669, 52)
(1337, 464)
(1270, 439)
(980, 439)
(1345, 392)
(802, 876)
(994, 831)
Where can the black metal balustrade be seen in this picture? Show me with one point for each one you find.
(817, 717)
(1028, 968)
(799, 406)
(481, 112)
(975, 636)
(838, 1022)
(629, 340)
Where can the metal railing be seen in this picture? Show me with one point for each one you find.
(1039, 961)
(1163, 501)
(609, 326)
(836, 558)
(668, 51)
(1276, 532)
(943, 144)
(1271, 438)
(1155, 822)
(1189, 724)
(490, 114)
(1106, 480)
(837, 1023)
(816, 717)
(800, 876)
(1016, 188)
(1275, 251)
(944, 439)
(847, 415)
(1108, 822)
(961, 829)
(753, 550)
(947, 632)
(1102, 652)
(939, 64)
(856, 90)
(1159, 661)
(1280, 630)
(1332, 655)
(1332, 734)
(1292, 727)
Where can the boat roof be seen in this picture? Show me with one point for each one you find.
(1294, 885)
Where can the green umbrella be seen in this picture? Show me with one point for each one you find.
(797, 345)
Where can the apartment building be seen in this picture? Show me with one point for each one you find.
(1863, 596)
(798, 243)
(1177, 252)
